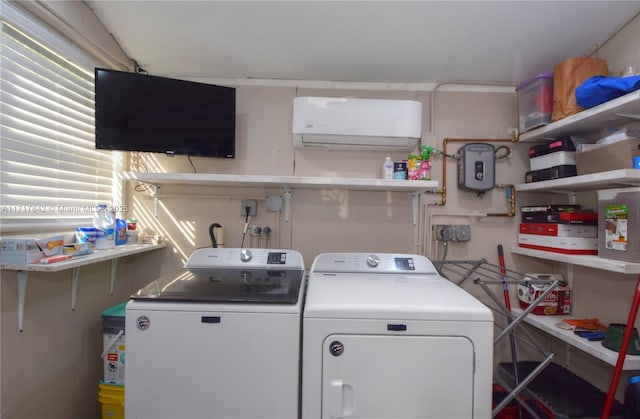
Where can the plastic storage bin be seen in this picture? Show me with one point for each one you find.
(111, 398)
(619, 224)
(535, 101)
(113, 343)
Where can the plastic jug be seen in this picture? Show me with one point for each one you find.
(105, 223)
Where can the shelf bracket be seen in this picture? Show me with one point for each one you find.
(287, 203)
(22, 295)
(74, 286)
(114, 265)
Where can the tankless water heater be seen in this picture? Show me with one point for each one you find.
(476, 167)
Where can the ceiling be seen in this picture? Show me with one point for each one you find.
(493, 42)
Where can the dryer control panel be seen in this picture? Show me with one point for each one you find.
(373, 262)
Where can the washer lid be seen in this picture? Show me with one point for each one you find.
(274, 286)
(390, 296)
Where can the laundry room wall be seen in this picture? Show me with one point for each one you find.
(333, 219)
(51, 369)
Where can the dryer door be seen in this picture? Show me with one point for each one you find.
(384, 376)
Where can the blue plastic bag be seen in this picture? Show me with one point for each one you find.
(600, 89)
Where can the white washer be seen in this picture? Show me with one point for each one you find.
(385, 336)
(220, 339)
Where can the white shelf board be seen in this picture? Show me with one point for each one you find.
(622, 110)
(594, 348)
(621, 178)
(293, 182)
(95, 257)
(581, 260)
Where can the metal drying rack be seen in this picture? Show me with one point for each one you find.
(486, 275)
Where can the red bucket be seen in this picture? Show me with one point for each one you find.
(510, 411)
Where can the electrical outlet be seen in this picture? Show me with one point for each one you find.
(443, 233)
(462, 232)
(274, 203)
(251, 203)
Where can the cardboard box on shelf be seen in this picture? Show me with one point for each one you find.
(557, 302)
(566, 245)
(23, 250)
(606, 157)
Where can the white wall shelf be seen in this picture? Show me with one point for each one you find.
(95, 257)
(594, 348)
(291, 182)
(288, 183)
(581, 260)
(619, 111)
(621, 178)
(73, 264)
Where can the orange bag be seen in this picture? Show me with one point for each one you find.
(569, 74)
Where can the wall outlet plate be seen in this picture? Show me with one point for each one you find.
(443, 232)
(456, 233)
(462, 232)
(253, 207)
(274, 203)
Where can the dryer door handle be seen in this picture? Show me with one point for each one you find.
(335, 398)
(340, 399)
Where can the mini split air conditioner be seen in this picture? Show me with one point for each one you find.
(356, 124)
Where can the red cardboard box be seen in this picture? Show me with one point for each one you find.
(558, 301)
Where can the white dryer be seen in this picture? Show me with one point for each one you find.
(385, 336)
(220, 339)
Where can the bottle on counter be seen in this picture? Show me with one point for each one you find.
(105, 223)
(387, 169)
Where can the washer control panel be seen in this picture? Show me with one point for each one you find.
(245, 258)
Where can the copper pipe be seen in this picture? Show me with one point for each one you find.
(512, 202)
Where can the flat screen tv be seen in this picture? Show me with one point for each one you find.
(139, 112)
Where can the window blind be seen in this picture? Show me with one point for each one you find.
(51, 175)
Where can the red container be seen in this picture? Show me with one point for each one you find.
(557, 302)
(510, 411)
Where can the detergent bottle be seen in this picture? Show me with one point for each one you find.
(424, 172)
